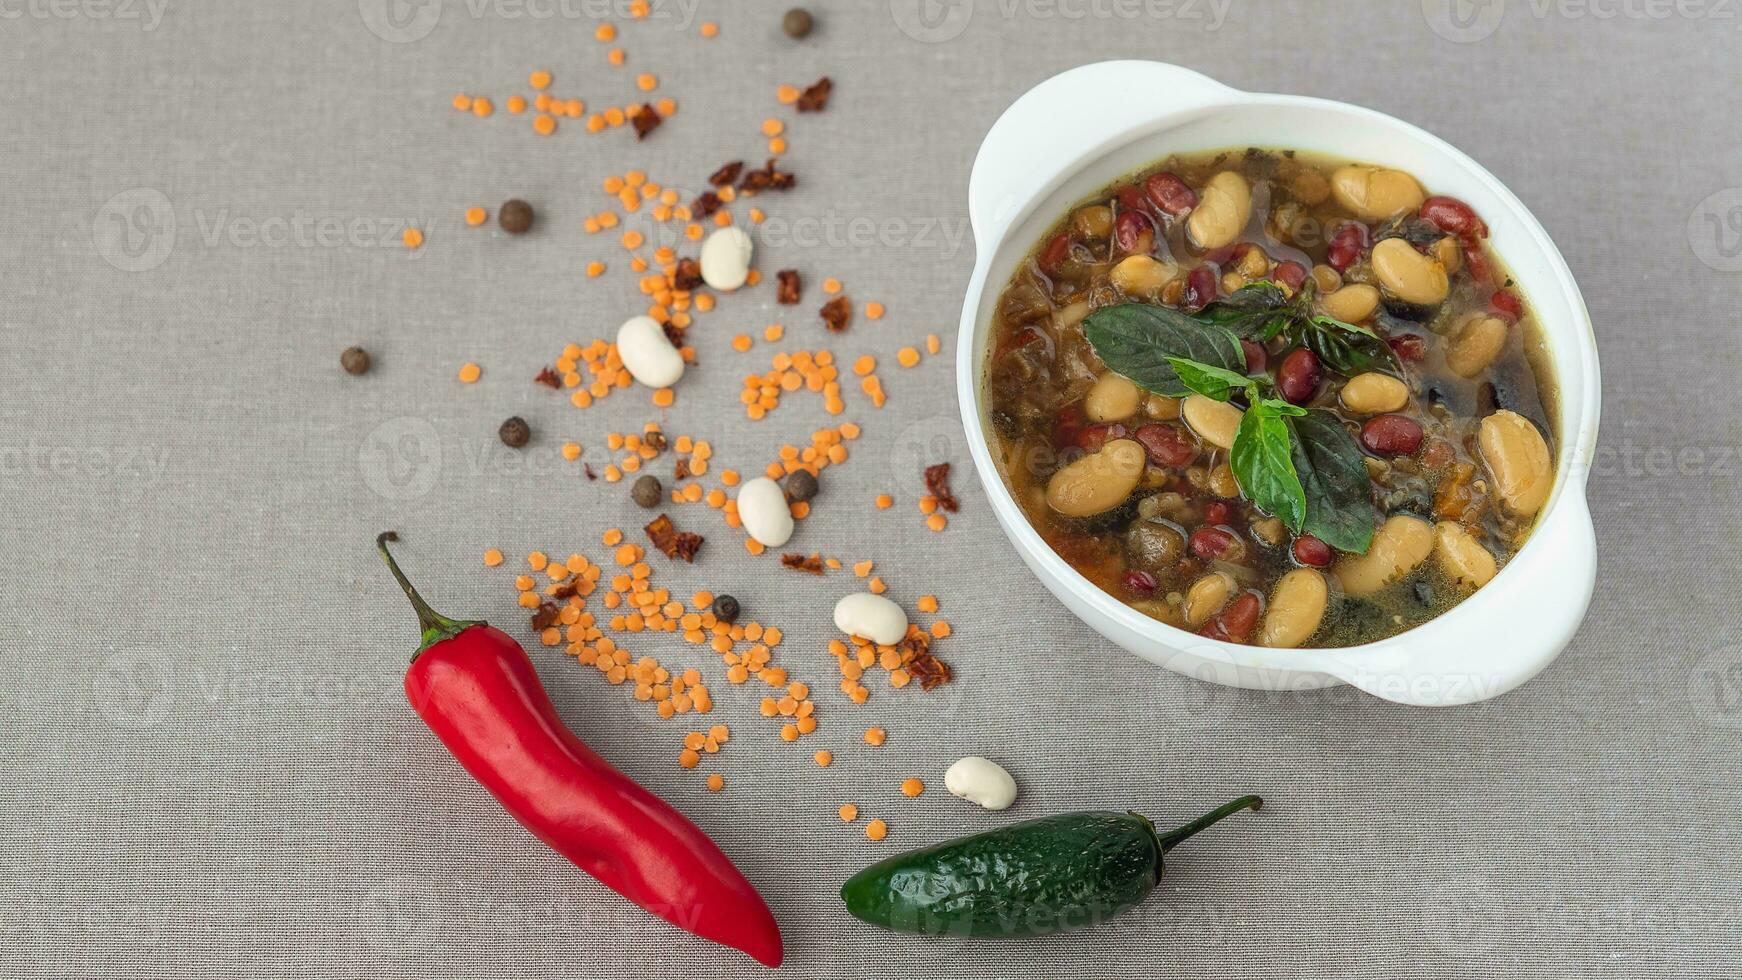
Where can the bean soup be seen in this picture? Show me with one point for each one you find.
(1273, 398)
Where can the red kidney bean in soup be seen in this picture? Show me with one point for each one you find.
(1273, 398)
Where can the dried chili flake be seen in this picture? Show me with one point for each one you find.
(549, 378)
(727, 174)
(687, 274)
(673, 333)
(916, 656)
(546, 615)
(567, 588)
(654, 439)
(937, 483)
(704, 205)
(787, 293)
(768, 178)
(671, 542)
(587, 468)
(816, 98)
(663, 534)
(812, 564)
(837, 313)
(688, 543)
(646, 121)
(682, 470)
(929, 671)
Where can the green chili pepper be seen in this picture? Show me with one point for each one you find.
(1028, 879)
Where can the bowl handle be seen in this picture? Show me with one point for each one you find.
(1068, 117)
(1475, 654)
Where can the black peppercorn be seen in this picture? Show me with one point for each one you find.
(646, 491)
(355, 360)
(801, 485)
(797, 23)
(515, 216)
(515, 432)
(725, 609)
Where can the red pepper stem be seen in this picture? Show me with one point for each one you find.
(1173, 837)
(434, 625)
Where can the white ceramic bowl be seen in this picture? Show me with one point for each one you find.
(1076, 133)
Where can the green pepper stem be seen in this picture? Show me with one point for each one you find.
(1173, 837)
(434, 626)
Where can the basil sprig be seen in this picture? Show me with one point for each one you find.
(1262, 312)
(1298, 464)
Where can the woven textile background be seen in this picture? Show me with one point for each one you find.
(208, 768)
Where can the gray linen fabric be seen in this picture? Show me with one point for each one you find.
(209, 769)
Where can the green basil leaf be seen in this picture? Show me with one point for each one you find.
(1269, 329)
(1260, 309)
(1332, 471)
(1281, 407)
(1250, 298)
(1345, 347)
(1136, 340)
(1209, 380)
(1263, 464)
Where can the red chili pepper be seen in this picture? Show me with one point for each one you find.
(477, 690)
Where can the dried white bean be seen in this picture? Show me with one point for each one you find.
(726, 258)
(649, 356)
(871, 616)
(763, 511)
(978, 779)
